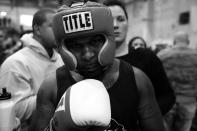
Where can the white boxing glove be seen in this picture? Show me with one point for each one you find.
(85, 104)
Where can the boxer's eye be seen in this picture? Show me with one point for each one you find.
(74, 46)
(98, 40)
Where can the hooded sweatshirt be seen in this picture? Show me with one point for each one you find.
(23, 72)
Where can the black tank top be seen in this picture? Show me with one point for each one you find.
(123, 96)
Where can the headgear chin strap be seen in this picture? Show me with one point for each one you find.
(84, 20)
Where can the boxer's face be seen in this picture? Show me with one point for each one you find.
(120, 24)
(86, 50)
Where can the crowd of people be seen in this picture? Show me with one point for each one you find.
(71, 48)
(9, 42)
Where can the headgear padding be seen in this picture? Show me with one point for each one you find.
(85, 104)
(84, 20)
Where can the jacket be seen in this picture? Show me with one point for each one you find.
(23, 72)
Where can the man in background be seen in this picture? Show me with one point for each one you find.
(23, 72)
(180, 63)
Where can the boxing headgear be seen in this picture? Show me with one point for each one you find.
(85, 104)
(84, 20)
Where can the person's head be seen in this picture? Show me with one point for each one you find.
(85, 37)
(13, 34)
(181, 38)
(2, 35)
(42, 27)
(120, 16)
(137, 42)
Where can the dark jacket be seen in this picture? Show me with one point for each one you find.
(147, 61)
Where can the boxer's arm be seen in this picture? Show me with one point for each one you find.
(45, 102)
(150, 118)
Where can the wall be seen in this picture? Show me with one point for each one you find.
(15, 12)
(158, 19)
(151, 19)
